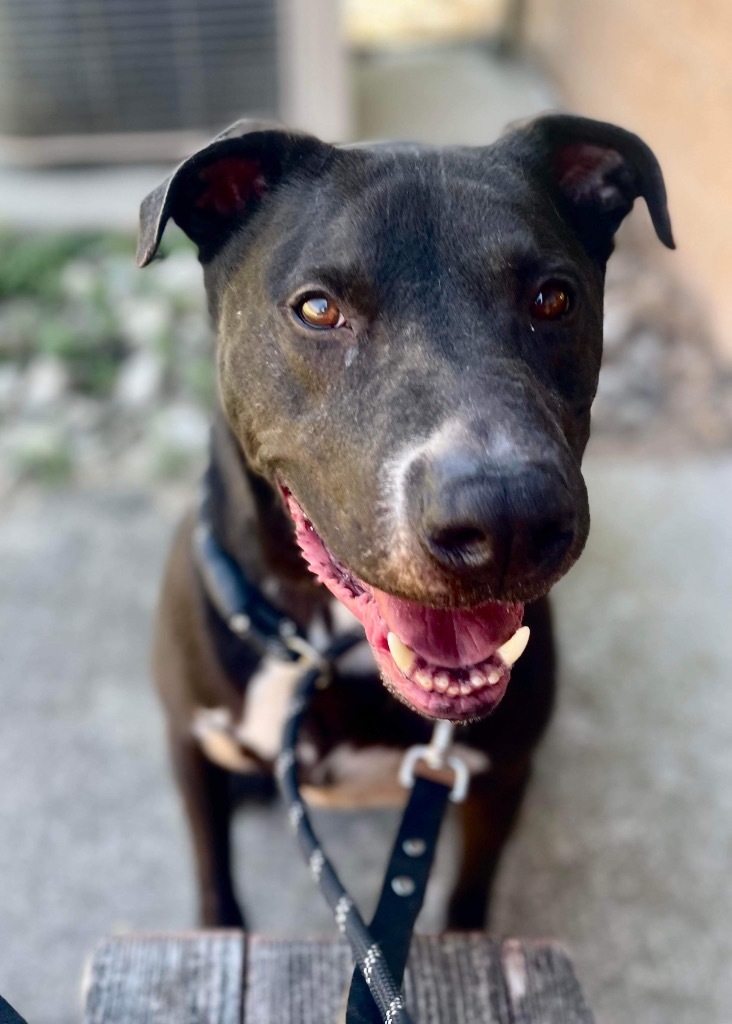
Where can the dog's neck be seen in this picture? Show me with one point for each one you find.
(252, 525)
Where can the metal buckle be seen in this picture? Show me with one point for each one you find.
(435, 755)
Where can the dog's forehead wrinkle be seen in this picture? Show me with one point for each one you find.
(407, 221)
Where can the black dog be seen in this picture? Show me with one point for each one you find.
(409, 342)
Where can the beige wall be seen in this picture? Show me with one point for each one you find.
(396, 22)
(662, 68)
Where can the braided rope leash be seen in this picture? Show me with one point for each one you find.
(379, 950)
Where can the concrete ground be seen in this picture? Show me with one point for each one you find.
(624, 847)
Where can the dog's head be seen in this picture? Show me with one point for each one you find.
(409, 345)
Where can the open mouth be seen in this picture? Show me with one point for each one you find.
(452, 663)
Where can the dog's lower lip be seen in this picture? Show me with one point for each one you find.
(466, 686)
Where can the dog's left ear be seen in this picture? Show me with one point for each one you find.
(597, 171)
(216, 189)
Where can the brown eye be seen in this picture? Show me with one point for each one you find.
(320, 311)
(551, 301)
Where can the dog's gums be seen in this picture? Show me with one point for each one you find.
(444, 663)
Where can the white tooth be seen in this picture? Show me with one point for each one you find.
(422, 679)
(441, 682)
(515, 647)
(493, 676)
(402, 655)
(477, 679)
(465, 689)
(453, 690)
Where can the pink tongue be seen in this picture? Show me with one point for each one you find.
(453, 636)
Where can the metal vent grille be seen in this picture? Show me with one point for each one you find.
(85, 66)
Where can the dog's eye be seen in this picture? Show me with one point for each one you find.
(320, 311)
(551, 301)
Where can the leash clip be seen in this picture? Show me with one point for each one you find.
(434, 754)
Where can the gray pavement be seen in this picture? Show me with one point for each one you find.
(623, 850)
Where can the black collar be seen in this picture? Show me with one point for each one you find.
(241, 604)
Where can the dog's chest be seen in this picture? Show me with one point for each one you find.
(352, 741)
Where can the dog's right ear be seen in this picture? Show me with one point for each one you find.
(215, 189)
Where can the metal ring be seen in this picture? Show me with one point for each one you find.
(421, 752)
(306, 653)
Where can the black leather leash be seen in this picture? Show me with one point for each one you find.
(403, 891)
(380, 949)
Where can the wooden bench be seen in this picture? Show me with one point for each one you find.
(237, 978)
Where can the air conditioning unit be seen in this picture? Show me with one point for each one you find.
(136, 79)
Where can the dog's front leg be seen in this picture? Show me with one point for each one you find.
(207, 799)
(486, 818)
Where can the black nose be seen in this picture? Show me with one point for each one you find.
(512, 520)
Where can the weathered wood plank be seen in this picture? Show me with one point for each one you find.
(451, 979)
(541, 984)
(295, 981)
(169, 979)
(456, 977)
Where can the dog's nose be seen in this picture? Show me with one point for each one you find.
(511, 520)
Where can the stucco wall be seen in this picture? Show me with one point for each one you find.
(664, 70)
